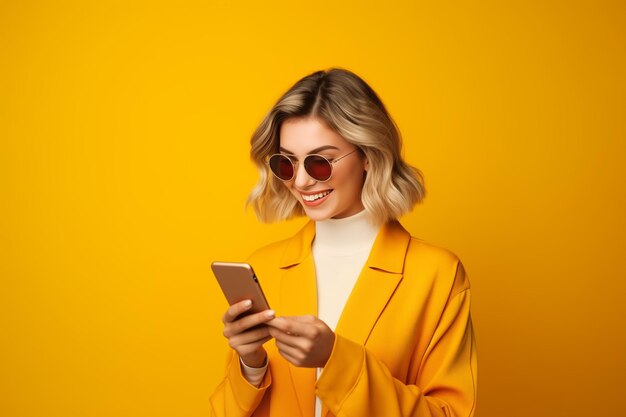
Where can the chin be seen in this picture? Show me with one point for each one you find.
(318, 216)
(318, 213)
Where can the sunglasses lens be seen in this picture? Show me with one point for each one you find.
(282, 167)
(318, 167)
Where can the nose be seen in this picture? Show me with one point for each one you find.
(302, 178)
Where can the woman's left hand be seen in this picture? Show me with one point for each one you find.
(305, 341)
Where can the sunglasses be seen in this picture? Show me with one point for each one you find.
(318, 167)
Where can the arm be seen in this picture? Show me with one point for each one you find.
(355, 383)
(235, 396)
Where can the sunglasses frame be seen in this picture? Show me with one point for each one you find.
(331, 163)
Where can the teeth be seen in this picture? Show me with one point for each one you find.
(314, 197)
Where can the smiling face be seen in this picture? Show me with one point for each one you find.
(338, 197)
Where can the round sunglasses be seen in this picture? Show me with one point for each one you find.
(318, 167)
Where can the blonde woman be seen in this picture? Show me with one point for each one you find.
(367, 320)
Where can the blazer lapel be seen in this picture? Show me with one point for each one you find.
(298, 296)
(378, 280)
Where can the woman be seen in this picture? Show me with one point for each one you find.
(367, 320)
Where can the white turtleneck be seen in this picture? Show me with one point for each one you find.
(340, 249)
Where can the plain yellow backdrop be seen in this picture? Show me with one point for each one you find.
(124, 169)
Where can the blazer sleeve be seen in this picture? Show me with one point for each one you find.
(235, 396)
(355, 383)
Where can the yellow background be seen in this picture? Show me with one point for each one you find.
(124, 131)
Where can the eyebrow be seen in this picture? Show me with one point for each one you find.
(312, 151)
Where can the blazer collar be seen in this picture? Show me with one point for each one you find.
(387, 254)
(298, 246)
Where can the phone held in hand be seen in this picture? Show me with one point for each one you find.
(239, 282)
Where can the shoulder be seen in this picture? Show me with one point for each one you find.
(434, 255)
(441, 264)
(394, 237)
(285, 252)
(270, 251)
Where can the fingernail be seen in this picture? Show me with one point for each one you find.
(270, 313)
(247, 303)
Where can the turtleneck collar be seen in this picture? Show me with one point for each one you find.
(345, 236)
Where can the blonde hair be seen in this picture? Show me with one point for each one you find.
(352, 109)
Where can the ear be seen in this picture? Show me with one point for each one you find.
(366, 165)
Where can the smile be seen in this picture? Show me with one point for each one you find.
(313, 197)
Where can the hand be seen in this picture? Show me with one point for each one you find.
(243, 337)
(305, 341)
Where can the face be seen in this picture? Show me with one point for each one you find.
(338, 197)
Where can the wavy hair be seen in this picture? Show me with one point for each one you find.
(351, 108)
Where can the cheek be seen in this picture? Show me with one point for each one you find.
(351, 182)
(289, 186)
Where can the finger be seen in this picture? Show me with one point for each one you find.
(286, 338)
(251, 345)
(302, 344)
(235, 310)
(292, 354)
(250, 336)
(249, 348)
(247, 322)
(290, 326)
(290, 358)
(309, 318)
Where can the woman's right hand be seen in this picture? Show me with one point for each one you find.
(246, 340)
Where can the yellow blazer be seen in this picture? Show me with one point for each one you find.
(404, 344)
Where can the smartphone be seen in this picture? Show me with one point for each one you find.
(238, 283)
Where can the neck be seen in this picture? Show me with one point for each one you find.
(346, 235)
